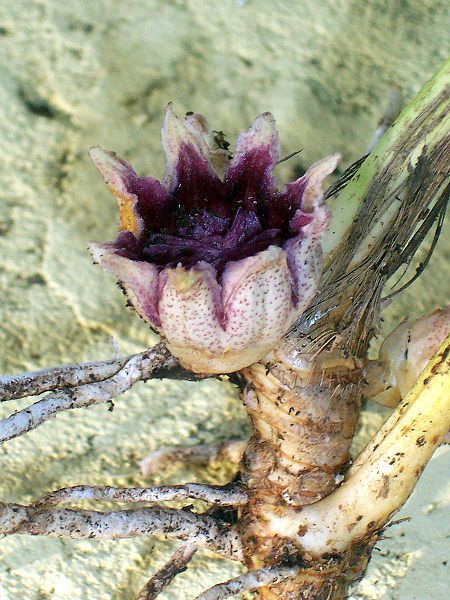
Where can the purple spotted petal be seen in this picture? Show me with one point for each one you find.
(304, 257)
(219, 328)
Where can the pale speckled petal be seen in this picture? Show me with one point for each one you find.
(115, 172)
(304, 257)
(257, 297)
(257, 304)
(191, 313)
(139, 279)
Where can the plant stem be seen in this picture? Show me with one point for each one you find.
(424, 122)
(303, 414)
(304, 399)
(386, 472)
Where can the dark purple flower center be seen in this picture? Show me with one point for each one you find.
(202, 218)
(208, 237)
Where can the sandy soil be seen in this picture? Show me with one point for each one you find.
(75, 74)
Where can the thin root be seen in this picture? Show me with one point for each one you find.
(230, 450)
(250, 581)
(176, 565)
(229, 495)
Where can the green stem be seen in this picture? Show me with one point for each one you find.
(425, 122)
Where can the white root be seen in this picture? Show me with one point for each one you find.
(231, 450)
(160, 580)
(201, 530)
(249, 581)
(138, 368)
(385, 474)
(33, 383)
(230, 495)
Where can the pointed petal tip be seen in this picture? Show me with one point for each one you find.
(264, 127)
(169, 112)
(257, 152)
(109, 164)
(98, 156)
(263, 133)
(266, 116)
(332, 161)
(93, 150)
(315, 176)
(323, 167)
(191, 129)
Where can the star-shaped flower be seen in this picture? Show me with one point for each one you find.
(215, 258)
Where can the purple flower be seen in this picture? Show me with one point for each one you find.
(215, 258)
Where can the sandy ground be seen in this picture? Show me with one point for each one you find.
(75, 74)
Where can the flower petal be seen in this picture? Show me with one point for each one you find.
(257, 298)
(175, 134)
(304, 256)
(116, 174)
(191, 315)
(249, 178)
(190, 176)
(138, 279)
(216, 145)
(315, 175)
(143, 201)
(299, 198)
(210, 334)
(262, 135)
